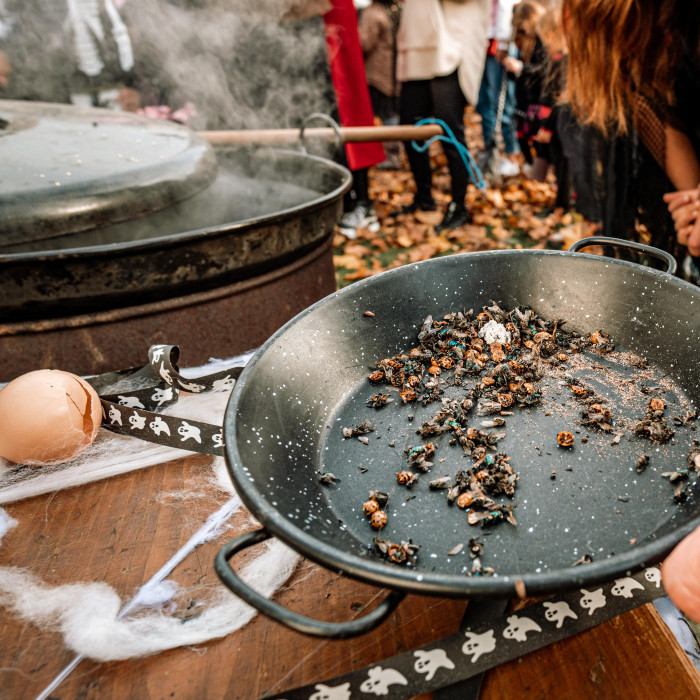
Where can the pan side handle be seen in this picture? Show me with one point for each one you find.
(633, 245)
(300, 623)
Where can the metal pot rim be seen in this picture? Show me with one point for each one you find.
(174, 239)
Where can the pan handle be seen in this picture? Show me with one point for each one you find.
(300, 623)
(620, 243)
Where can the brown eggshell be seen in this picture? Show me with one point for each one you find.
(47, 417)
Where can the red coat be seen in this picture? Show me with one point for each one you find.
(350, 84)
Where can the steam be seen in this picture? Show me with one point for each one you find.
(242, 63)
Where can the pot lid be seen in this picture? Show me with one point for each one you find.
(65, 168)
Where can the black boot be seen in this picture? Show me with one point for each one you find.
(455, 216)
(412, 208)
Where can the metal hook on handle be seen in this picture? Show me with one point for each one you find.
(300, 623)
(323, 117)
(620, 243)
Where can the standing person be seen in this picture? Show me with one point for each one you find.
(499, 47)
(634, 75)
(440, 62)
(354, 109)
(528, 71)
(652, 92)
(378, 27)
(574, 150)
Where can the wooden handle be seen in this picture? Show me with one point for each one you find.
(349, 134)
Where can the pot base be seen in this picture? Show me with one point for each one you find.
(217, 323)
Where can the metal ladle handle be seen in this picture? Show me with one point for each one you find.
(300, 623)
(323, 117)
(620, 243)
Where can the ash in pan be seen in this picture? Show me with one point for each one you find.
(498, 359)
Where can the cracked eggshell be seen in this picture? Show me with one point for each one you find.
(47, 416)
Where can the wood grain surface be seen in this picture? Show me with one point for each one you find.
(122, 530)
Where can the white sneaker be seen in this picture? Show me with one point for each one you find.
(508, 168)
(360, 217)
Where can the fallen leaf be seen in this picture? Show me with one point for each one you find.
(430, 218)
(359, 251)
(424, 251)
(571, 234)
(495, 197)
(513, 221)
(349, 262)
(514, 194)
(359, 274)
(539, 233)
(404, 240)
(440, 243)
(380, 244)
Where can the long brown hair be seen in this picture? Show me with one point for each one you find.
(617, 48)
(525, 16)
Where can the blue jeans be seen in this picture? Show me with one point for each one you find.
(487, 107)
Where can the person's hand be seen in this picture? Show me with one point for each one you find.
(513, 65)
(543, 135)
(5, 70)
(680, 574)
(684, 207)
(129, 99)
(690, 237)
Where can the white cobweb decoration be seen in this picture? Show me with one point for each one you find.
(94, 621)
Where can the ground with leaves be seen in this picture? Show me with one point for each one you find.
(514, 213)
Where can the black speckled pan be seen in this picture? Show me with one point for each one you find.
(283, 427)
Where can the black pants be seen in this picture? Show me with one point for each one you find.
(441, 98)
(582, 147)
(384, 106)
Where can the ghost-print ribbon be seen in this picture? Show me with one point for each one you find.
(134, 412)
(159, 382)
(163, 361)
(487, 644)
(171, 431)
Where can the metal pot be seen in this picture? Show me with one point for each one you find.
(265, 208)
(178, 248)
(283, 428)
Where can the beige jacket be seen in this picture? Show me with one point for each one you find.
(437, 37)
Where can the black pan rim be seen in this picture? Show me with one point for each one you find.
(379, 573)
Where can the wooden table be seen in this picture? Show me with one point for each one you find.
(121, 532)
